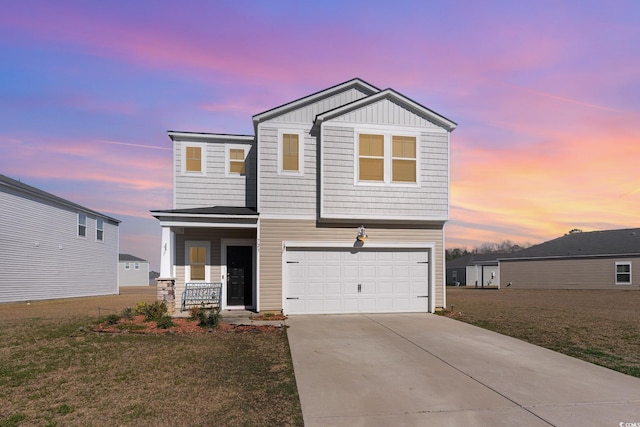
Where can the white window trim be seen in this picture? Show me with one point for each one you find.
(300, 171)
(187, 259)
(99, 229)
(388, 157)
(203, 154)
(630, 264)
(227, 151)
(86, 225)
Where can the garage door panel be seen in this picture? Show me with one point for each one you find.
(355, 281)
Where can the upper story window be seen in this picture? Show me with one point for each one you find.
(127, 265)
(82, 225)
(623, 273)
(136, 266)
(403, 160)
(386, 158)
(235, 161)
(193, 158)
(371, 157)
(290, 153)
(100, 229)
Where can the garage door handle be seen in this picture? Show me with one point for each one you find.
(293, 298)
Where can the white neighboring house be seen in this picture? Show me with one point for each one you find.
(133, 271)
(53, 248)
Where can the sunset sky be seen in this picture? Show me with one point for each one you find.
(546, 95)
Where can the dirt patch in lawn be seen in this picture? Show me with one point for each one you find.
(138, 325)
(54, 370)
(599, 326)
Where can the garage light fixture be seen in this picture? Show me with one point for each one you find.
(362, 235)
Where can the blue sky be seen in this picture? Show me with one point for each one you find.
(546, 95)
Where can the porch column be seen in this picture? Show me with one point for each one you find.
(167, 281)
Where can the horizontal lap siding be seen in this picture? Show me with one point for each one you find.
(595, 273)
(133, 277)
(274, 232)
(286, 194)
(341, 196)
(43, 257)
(214, 189)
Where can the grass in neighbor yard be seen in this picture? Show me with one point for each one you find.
(599, 326)
(53, 373)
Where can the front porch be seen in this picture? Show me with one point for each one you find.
(209, 245)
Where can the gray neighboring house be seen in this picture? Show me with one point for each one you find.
(53, 248)
(133, 271)
(579, 260)
(478, 270)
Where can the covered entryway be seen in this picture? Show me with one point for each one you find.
(324, 280)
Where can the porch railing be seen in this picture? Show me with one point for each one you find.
(197, 294)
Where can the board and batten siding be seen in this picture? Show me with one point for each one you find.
(307, 114)
(282, 193)
(214, 188)
(274, 231)
(43, 257)
(340, 195)
(215, 237)
(587, 273)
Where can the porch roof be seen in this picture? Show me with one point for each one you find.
(213, 216)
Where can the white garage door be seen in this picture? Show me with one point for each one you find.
(323, 281)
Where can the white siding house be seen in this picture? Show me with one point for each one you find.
(53, 248)
(336, 205)
(133, 271)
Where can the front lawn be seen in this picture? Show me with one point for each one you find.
(54, 371)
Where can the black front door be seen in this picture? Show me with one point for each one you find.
(240, 275)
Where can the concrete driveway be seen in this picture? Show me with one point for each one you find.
(423, 369)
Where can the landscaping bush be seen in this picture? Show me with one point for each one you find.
(127, 313)
(165, 322)
(209, 318)
(112, 319)
(153, 311)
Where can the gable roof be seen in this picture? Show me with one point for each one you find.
(5, 181)
(624, 242)
(127, 257)
(394, 96)
(353, 83)
(476, 259)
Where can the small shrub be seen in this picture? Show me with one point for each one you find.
(164, 322)
(209, 318)
(152, 311)
(195, 312)
(112, 319)
(127, 313)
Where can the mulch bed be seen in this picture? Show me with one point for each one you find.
(138, 325)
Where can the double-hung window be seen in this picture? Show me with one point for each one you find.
(82, 225)
(235, 159)
(290, 153)
(403, 160)
(100, 229)
(623, 273)
(371, 157)
(193, 156)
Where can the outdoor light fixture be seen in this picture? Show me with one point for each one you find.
(362, 235)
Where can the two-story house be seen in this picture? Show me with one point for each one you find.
(337, 204)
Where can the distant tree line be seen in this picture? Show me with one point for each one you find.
(505, 247)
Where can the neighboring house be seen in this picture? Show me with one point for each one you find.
(277, 217)
(53, 248)
(478, 270)
(133, 271)
(578, 260)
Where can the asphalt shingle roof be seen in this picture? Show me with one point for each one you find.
(593, 243)
(127, 257)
